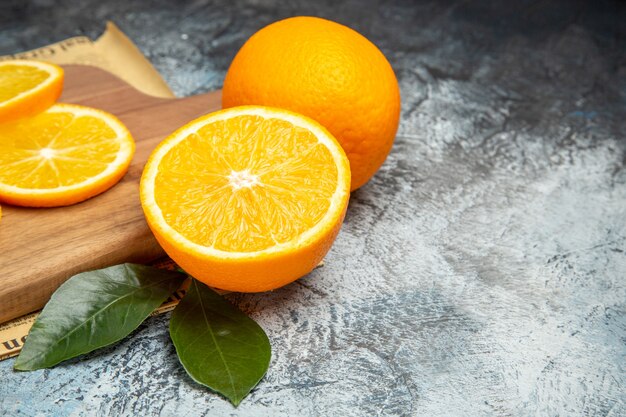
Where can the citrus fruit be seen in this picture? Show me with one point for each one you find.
(247, 199)
(28, 87)
(61, 156)
(328, 72)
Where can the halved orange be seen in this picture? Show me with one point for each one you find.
(28, 87)
(247, 199)
(62, 156)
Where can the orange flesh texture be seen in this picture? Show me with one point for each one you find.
(55, 149)
(16, 79)
(263, 179)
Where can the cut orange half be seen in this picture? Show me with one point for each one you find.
(28, 87)
(247, 199)
(62, 156)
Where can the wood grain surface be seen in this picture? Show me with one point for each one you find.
(42, 247)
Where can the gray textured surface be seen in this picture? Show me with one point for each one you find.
(481, 272)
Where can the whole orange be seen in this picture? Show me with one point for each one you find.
(329, 73)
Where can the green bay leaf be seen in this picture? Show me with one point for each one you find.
(94, 309)
(218, 345)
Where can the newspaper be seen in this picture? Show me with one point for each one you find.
(115, 53)
(112, 51)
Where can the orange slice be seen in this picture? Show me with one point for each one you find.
(28, 87)
(247, 199)
(62, 156)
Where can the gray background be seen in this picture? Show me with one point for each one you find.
(483, 269)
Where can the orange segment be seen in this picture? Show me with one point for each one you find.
(28, 87)
(62, 156)
(247, 199)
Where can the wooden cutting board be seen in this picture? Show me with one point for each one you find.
(41, 248)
